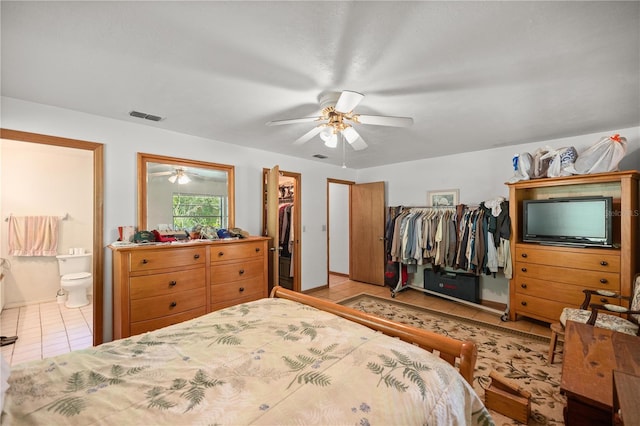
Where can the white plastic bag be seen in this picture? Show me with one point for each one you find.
(521, 167)
(562, 161)
(540, 163)
(602, 157)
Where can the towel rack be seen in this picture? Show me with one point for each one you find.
(64, 217)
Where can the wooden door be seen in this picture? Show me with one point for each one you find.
(272, 231)
(366, 246)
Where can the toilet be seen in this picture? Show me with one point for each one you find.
(75, 278)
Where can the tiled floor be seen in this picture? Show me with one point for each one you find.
(342, 288)
(45, 330)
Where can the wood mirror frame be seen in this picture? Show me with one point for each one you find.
(189, 166)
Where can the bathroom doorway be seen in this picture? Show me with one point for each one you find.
(95, 206)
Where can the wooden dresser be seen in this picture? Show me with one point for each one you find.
(546, 278)
(158, 285)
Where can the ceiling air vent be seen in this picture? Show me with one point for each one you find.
(320, 156)
(144, 115)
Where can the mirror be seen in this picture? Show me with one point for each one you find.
(176, 193)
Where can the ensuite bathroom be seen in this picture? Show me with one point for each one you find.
(46, 243)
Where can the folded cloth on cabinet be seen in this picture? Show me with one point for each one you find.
(33, 235)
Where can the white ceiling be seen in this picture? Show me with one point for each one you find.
(473, 75)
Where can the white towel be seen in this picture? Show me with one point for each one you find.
(33, 235)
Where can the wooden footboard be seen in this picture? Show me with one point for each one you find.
(448, 348)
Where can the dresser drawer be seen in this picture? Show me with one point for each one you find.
(225, 252)
(230, 272)
(578, 277)
(145, 260)
(154, 324)
(247, 287)
(167, 283)
(570, 295)
(542, 309)
(606, 262)
(168, 304)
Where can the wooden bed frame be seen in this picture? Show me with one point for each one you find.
(448, 348)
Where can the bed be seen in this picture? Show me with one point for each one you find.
(286, 359)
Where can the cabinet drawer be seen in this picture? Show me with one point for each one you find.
(535, 307)
(168, 304)
(578, 277)
(237, 251)
(168, 283)
(570, 295)
(253, 287)
(145, 260)
(607, 262)
(221, 304)
(154, 324)
(229, 272)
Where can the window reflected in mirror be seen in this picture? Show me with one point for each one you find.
(181, 194)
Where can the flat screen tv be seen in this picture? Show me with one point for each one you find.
(571, 221)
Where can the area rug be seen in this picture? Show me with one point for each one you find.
(519, 356)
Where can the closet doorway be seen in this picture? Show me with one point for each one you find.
(281, 220)
(97, 151)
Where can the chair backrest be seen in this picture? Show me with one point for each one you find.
(635, 299)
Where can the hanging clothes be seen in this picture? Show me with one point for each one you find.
(475, 239)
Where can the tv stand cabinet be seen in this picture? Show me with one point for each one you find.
(548, 278)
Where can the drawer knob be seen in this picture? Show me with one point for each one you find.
(172, 283)
(196, 256)
(145, 261)
(523, 303)
(523, 285)
(603, 300)
(241, 271)
(220, 253)
(604, 263)
(603, 280)
(241, 289)
(524, 255)
(257, 249)
(524, 269)
(173, 304)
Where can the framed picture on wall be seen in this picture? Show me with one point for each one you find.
(443, 198)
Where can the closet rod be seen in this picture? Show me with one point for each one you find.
(65, 217)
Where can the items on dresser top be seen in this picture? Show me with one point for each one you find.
(159, 285)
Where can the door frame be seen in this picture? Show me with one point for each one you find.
(98, 214)
(339, 182)
(297, 221)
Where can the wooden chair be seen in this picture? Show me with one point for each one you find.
(627, 322)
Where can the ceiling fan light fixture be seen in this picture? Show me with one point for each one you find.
(332, 141)
(180, 177)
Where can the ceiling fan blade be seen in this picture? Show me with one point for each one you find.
(347, 101)
(162, 173)
(359, 144)
(307, 136)
(382, 120)
(293, 121)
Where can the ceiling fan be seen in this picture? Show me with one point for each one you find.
(178, 175)
(337, 119)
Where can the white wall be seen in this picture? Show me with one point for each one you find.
(44, 180)
(479, 176)
(338, 228)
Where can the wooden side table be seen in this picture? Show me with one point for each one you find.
(591, 354)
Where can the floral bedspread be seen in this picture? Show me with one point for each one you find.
(267, 362)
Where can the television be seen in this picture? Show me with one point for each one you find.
(569, 221)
